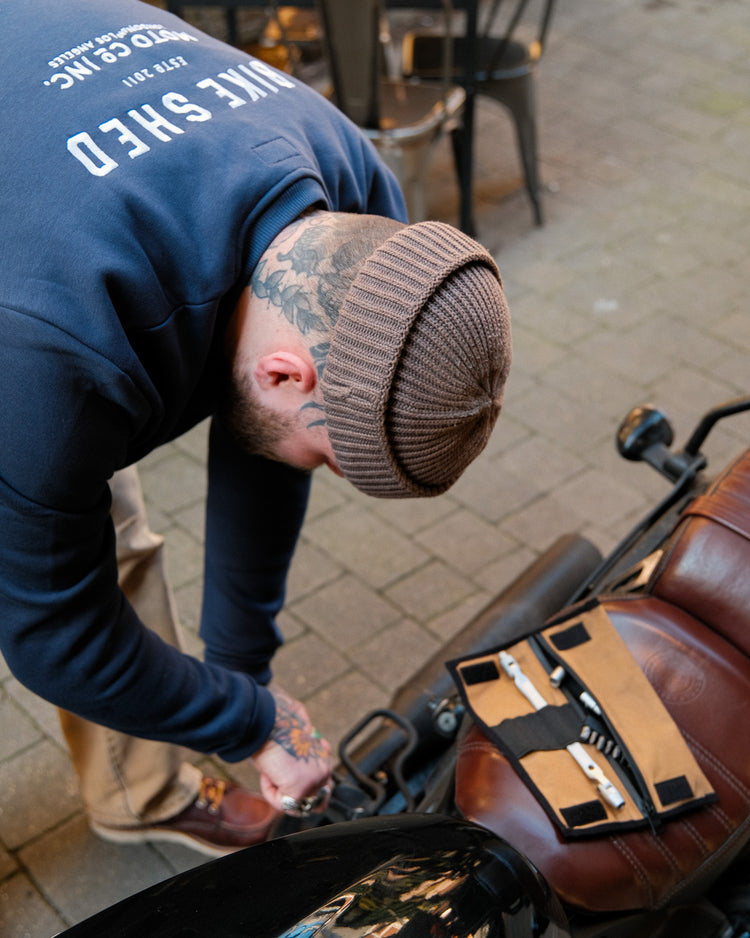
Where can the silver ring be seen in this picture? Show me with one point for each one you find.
(305, 805)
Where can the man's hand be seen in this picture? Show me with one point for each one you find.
(295, 761)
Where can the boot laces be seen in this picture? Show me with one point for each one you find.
(211, 794)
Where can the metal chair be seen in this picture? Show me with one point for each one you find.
(403, 119)
(283, 36)
(229, 8)
(497, 60)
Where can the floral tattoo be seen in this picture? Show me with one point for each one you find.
(294, 734)
(310, 276)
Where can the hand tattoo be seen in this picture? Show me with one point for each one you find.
(294, 734)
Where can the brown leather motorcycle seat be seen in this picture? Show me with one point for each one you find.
(705, 568)
(689, 632)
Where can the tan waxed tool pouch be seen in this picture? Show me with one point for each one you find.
(603, 753)
(668, 661)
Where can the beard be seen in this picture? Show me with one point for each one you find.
(256, 428)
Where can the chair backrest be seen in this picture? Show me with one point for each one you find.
(230, 15)
(351, 36)
(353, 30)
(523, 21)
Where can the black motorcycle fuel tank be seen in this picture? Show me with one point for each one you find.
(419, 876)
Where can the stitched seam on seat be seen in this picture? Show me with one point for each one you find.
(731, 510)
(716, 858)
(720, 767)
(640, 873)
(668, 855)
(695, 836)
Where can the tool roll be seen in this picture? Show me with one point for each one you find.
(611, 747)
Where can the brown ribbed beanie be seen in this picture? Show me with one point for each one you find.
(414, 378)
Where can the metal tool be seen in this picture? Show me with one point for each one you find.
(589, 767)
(556, 679)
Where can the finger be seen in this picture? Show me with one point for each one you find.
(270, 792)
(314, 803)
(326, 792)
(291, 799)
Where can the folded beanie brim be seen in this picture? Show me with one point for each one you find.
(418, 359)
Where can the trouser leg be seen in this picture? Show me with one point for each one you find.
(127, 781)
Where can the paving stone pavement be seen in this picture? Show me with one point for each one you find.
(633, 290)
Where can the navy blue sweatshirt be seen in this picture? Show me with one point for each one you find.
(144, 169)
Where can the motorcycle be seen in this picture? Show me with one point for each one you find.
(433, 832)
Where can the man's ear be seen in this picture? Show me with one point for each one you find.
(285, 368)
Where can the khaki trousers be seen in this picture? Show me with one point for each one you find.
(127, 781)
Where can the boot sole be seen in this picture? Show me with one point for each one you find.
(147, 835)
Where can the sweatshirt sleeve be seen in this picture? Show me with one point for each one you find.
(255, 510)
(66, 630)
(69, 634)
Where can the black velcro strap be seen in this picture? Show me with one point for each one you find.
(588, 812)
(546, 729)
(480, 673)
(673, 789)
(571, 637)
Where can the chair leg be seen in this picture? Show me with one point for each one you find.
(517, 94)
(410, 167)
(233, 35)
(462, 139)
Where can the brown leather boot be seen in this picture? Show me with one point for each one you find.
(222, 819)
